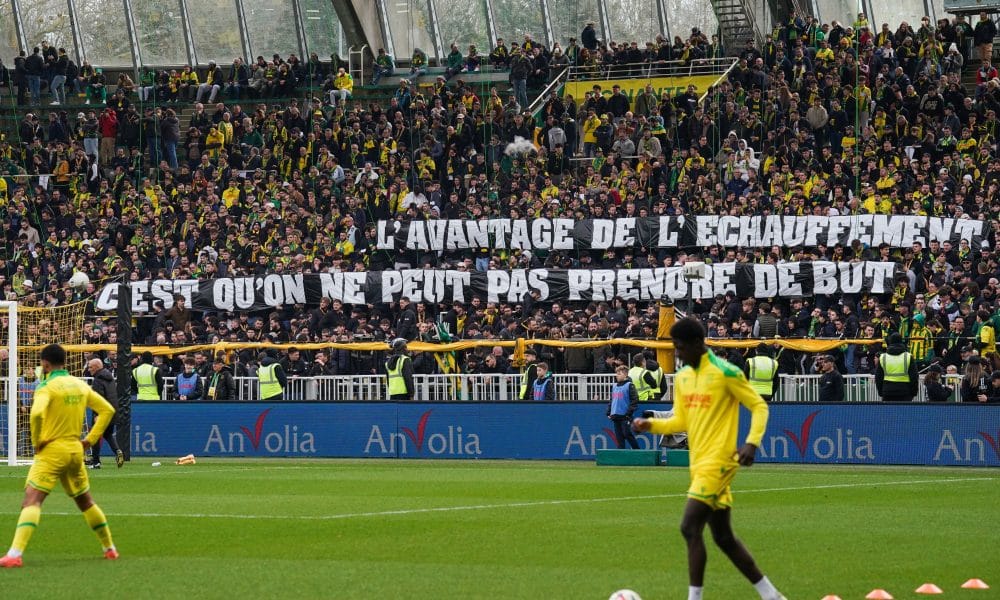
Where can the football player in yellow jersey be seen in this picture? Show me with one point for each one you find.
(708, 393)
(57, 414)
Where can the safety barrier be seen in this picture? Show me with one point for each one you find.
(481, 387)
(429, 388)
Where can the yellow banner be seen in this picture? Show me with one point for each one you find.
(633, 87)
(799, 344)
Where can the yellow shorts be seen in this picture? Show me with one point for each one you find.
(62, 467)
(711, 486)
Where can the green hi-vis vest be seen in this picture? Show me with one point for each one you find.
(524, 380)
(145, 382)
(652, 392)
(762, 370)
(267, 378)
(896, 367)
(641, 388)
(397, 384)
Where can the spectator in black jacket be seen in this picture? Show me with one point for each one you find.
(19, 78)
(406, 321)
(984, 33)
(618, 103)
(213, 83)
(34, 65)
(221, 386)
(993, 397)
(103, 383)
(239, 79)
(294, 365)
(831, 382)
(936, 391)
(170, 128)
(976, 385)
(588, 37)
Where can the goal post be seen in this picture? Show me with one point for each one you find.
(24, 330)
(9, 308)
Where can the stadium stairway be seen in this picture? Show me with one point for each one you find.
(736, 22)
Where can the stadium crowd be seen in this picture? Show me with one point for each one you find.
(823, 119)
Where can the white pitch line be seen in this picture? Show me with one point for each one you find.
(472, 507)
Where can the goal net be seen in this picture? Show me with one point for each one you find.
(24, 331)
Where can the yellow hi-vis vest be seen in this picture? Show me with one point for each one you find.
(896, 367)
(525, 384)
(653, 391)
(397, 385)
(762, 370)
(641, 387)
(145, 382)
(267, 378)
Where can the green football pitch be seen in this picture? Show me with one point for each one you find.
(426, 529)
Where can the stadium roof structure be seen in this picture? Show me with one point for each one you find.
(132, 33)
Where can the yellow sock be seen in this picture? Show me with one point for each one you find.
(26, 525)
(99, 523)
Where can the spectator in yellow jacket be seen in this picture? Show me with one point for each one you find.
(343, 85)
(590, 125)
(214, 142)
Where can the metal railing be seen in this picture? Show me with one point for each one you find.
(857, 388)
(674, 68)
(481, 387)
(429, 388)
(356, 63)
(552, 88)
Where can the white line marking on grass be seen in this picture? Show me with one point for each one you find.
(472, 507)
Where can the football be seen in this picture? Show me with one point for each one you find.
(624, 595)
(79, 280)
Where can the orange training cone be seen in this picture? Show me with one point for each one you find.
(928, 588)
(831, 597)
(975, 584)
(877, 594)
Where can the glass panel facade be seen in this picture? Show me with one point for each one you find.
(9, 45)
(515, 18)
(463, 22)
(410, 24)
(160, 29)
(570, 16)
(684, 15)
(103, 30)
(322, 27)
(843, 11)
(894, 12)
(633, 21)
(48, 20)
(271, 26)
(216, 30)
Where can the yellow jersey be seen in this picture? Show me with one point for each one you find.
(58, 410)
(707, 400)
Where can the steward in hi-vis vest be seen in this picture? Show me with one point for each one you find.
(647, 377)
(147, 381)
(271, 379)
(399, 372)
(896, 374)
(762, 372)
